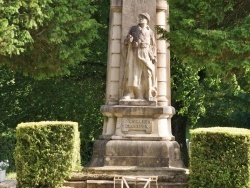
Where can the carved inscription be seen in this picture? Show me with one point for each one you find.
(137, 124)
(142, 1)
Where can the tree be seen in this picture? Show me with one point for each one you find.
(100, 46)
(210, 56)
(211, 34)
(44, 38)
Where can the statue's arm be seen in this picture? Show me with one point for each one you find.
(129, 38)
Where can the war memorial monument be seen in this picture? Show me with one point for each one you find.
(136, 147)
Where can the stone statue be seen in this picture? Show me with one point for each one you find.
(139, 76)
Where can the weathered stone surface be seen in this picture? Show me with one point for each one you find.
(109, 184)
(104, 176)
(136, 153)
(165, 174)
(8, 184)
(102, 184)
(136, 102)
(137, 110)
(158, 129)
(75, 184)
(107, 173)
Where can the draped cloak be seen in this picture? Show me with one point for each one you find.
(140, 54)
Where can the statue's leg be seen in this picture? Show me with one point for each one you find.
(149, 85)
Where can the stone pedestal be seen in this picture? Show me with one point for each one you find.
(139, 122)
(136, 136)
(123, 153)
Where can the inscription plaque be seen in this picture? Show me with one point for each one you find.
(137, 125)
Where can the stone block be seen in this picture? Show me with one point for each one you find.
(136, 153)
(99, 184)
(114, 74)
(116, 46)
(75, 184)
(115, 60)
(162, 74)
(8, 184)
(114, 85)
(103, 177)
(116, 32)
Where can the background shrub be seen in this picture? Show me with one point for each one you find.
(46, 153)
(24, 99)
(220, 158)
(7, 146)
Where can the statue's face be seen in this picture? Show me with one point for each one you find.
(142, 19)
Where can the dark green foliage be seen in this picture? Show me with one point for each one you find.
(46, 153)
(188, 92)
(210, 54)
(7, 146)
(210, 62)
(99, 48)
(220, 157)
(77, 97)
(212, 34)
(55, 36)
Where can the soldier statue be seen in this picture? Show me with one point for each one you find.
(140, 80)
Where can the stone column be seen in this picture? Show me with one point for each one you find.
(114, 53)
(114, 63)
(163, 57)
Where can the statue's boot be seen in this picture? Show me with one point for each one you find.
(129, 94)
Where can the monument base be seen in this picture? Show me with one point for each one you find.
(103, 177)
(126, 122)
(136, 153)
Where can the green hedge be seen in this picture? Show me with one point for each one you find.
(46, 153)
(220, 157)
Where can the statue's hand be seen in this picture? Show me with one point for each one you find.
(152, 57)
(130, 38)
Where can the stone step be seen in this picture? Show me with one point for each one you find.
(8, 184)
(74, 184)
(103, 177)
(110, 184)
(165, 174)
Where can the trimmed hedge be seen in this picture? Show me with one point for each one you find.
(220, 157)
(46, 153)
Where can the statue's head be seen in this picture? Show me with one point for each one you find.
(144, 16)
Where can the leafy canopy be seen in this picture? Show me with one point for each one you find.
(209, 43)
(44, 38)
(211, 34)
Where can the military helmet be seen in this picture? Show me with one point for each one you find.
(145, 15)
